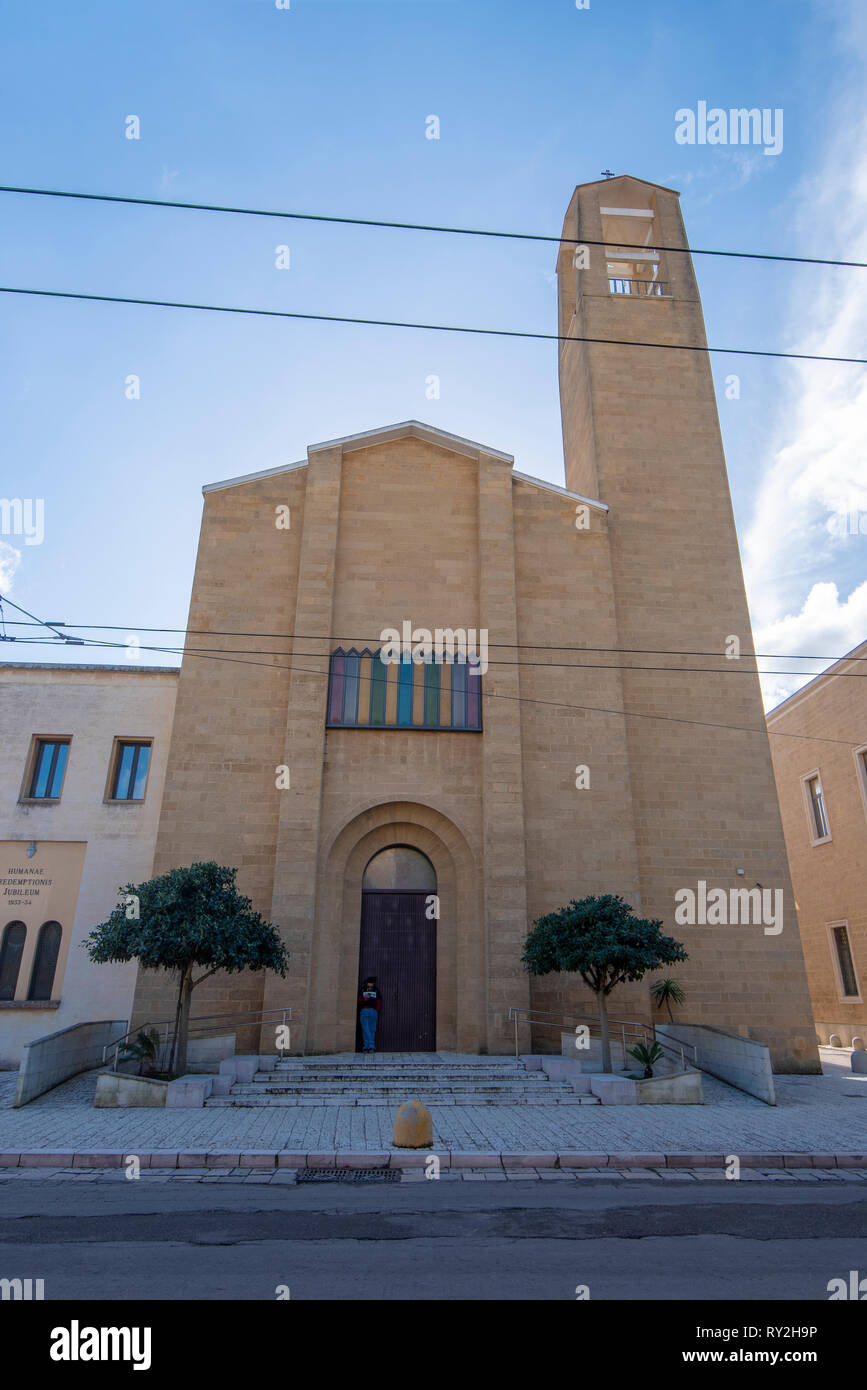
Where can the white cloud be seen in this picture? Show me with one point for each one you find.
(799, 551)
(824, 627)
(10, 559)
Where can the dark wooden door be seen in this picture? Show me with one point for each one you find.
(398, 946)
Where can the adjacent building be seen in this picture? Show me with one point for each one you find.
(819, 748)
(82, 761)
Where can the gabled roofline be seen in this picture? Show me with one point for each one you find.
(821, 678)
(561, 491)
(251, 477)
(366, 439)
(635, 178)
(77, 667)
(412, 429)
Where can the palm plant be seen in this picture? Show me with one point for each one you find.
(144, 1050)
(646, 1056)
(665, 993)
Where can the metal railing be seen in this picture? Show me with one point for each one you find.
(207, 1024)
(647, 289)
(629, 1030)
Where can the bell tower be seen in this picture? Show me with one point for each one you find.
(641, 433)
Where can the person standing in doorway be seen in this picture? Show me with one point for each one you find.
(369, 1005)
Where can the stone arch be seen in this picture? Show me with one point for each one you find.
(460, 932)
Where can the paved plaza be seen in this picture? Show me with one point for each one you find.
(814, 1115)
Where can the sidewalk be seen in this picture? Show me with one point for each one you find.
(815, 1115)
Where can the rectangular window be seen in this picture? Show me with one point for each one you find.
(845, 965)
(131, 762)
(49, 766)
(861, 770)
(817, 806)
(366, 692)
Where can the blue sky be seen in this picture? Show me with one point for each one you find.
(323, 108)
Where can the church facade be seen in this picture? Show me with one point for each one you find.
(585, 717)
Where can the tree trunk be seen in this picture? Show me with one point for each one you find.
(603, 1028)
(173, 1050)
(185, 994)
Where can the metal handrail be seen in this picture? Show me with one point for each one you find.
(205, 1023)
(536, 1019)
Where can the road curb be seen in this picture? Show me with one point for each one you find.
(276, 1158)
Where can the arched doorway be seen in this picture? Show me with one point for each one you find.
(398, 947)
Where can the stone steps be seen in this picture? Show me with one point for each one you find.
(353, 1099)
(514, 1094)
(417, 1079)
(389, 1082)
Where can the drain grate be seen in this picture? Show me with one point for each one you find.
(348, 1175)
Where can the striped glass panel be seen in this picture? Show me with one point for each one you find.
(335, 710)
(459, 695)
(365, 689)
(431, 694)
(379, 672)
(418, 670)
(350, 689)
(474, 681)
(390, 692)
(446, 695)
(404, 693)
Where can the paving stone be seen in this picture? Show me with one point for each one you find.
(809, 1110)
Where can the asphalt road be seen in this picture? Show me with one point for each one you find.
(450, 1241)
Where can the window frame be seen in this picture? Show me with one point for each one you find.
(835, 960)
(37, 743)
(4, 946)
(815, 837)
(119, 742)
(36, 962)
(860, 756)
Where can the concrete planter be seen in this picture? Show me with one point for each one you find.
(117, 1091)
(684, 1088)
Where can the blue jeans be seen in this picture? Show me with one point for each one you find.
(369, 1020)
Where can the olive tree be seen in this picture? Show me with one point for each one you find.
(601, 940)
(187, 919)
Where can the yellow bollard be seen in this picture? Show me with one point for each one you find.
(413, 1126)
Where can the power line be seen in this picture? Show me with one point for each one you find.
(512, 646)
(420, 226)
(427, 327)
(733, 668)
(520, 699)
(489, 695)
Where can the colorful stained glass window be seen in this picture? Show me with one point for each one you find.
(365, 691)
